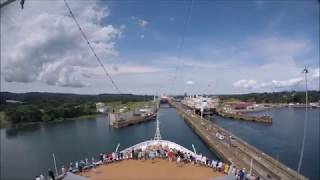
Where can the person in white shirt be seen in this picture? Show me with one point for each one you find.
(63, 170)
(220, 166)
(203, 160)
(198, 159)
(213, 164)
(77, 165)
(41, 177)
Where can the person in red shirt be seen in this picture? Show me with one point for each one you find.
(170, 155)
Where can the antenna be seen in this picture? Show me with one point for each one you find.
(157, 135)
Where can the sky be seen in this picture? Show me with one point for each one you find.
(156, 47)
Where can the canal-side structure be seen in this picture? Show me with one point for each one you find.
(116, 121)
(245, 117)
(232, 149)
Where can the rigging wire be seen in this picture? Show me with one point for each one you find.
(11, 1)
(180, 47)
(3, 4)
(91, 48)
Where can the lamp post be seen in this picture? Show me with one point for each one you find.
(305, 72)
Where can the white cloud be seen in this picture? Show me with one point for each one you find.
(122, 69)
(43, 43)
(252, 84)
(55, 54)
(190, 82)
(243, 83)
(287, 83)
(142, 22)
(141, 36)
(315, 73)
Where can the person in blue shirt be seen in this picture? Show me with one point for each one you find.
(241, 175)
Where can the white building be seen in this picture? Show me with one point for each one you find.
(101, 107)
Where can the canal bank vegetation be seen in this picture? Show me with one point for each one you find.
(26, 108)
(120, 107)
(275, 97)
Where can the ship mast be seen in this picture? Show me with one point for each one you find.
(157, 135)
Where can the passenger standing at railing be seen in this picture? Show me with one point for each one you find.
(132, 154)
(51, 174)
(234, 170)
(87, 162)
(241, 175)
(220, 164)
(121, 155)
(152, 154)
(178, 160)
(226, 168)
(101, 157)
(63, 170)
(208, 162)
(70, 167)
(204, 160)
(80, 167)
(93, 162)
(213, 165)
(170, 154)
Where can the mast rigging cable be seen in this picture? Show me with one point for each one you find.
(91, 48)
(182, 41)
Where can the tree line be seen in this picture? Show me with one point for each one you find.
(46, 107)
(276, 97)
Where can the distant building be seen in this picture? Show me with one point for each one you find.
(238, 105)
(101, 107)
(13, 101)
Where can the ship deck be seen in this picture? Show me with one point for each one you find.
(150, 169)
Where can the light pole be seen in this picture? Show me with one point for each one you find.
(305, 72)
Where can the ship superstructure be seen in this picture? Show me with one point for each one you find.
(198, 103)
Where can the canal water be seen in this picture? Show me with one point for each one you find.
(27, 151)
(282, 139)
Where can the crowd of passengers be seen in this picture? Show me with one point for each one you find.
(151, 153)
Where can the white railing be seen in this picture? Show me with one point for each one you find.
(163, 143)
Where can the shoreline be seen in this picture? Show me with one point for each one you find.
(83, 117)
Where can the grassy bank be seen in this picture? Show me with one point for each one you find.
(84, 117)
(4, 123)
(128, 106)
